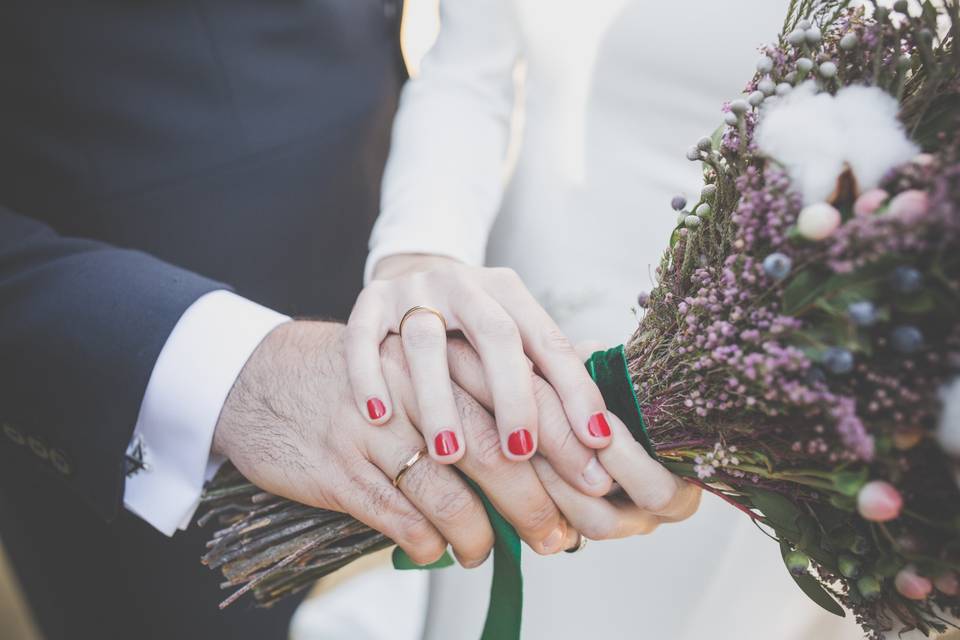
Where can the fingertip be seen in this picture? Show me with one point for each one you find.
(595, 481)
(597, 433)
(520, 445)
(377, 410)
(446, 447)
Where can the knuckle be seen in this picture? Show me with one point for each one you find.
(600, 527)
(553, 339)
(498, 326)
(456, 506)
(474, 551)
(543, 393)
(487, 448)
(542, 518)
(554, 428)
(505, 275)
(421, 335)
(660, 496)
(415, 529)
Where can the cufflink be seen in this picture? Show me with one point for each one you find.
(136, 458)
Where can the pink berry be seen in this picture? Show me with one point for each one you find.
(909, 205)
(947, 583)
(879, 501)
(870, 201)
(818, 221)
(912, 586)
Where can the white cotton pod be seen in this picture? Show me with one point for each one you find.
(948, 432)
(814, 135)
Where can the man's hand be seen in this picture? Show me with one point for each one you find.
(291, 427)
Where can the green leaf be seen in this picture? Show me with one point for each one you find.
(809, 585)
(843, 502)
(402, 562)
(918, 304)
(849, 482)
(781, 514)
(887, 566)
(802, 291)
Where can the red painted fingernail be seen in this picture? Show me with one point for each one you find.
(376, 409)
(520, 442)
(598, 427)
(446, 443)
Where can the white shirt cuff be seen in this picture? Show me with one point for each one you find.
(195, 371)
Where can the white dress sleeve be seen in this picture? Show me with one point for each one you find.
(190, 381)
(444, 178)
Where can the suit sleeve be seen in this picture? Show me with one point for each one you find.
(81, 326)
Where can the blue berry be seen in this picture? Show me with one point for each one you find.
(777, 266)
(907, 339)
(838, 360)
(678, 203)
(863, 313)
(815, 375)
(906, 280)
(643, 299)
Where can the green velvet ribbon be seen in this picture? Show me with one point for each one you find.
(609, 370)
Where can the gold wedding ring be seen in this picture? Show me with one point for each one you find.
(414, 459)
(581, 543)
(418, 309)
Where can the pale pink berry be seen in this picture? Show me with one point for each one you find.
(870, 201)
(947, 583)
(909, 205)
(818, 221)
(879, 501)
(911, 585)
(923, 159)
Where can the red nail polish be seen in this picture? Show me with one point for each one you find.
(520, 442)
(598, 427)
(446, 443)
(376, 409)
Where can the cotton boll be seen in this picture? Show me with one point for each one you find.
(948, 433)
(875, 140)
(815, 135)
(800, 133)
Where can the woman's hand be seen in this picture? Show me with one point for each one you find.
(505, 325)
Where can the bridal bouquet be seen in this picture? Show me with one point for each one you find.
(800, 354)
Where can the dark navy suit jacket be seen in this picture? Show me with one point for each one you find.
(152, 151)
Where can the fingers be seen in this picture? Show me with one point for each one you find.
(596, 518)
(648, 483)
(424, 342)
(496, 338)
(512, 487)
(577, 464)
(371, 498)
(555, 357)
(365, 331)
(436, 491)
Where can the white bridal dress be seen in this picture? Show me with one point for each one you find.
(613, 93)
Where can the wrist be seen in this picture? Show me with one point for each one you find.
(255, 399)
(405, 263)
